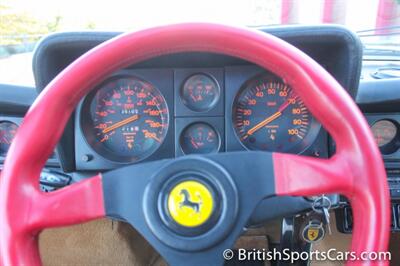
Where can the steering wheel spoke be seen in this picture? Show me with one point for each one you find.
(77, 203)
(306, 176)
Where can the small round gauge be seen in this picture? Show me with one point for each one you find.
(199, 138)
(125, 120)
(7, 134)
(386, 134)
(200, 92)
(268, 115)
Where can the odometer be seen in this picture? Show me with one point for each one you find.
(125, 120)
(268, 115)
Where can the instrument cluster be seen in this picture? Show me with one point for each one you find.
(149, 114)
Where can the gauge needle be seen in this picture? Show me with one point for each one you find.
(268, 119)
(121, 123)
(156, 139)
(5, 141)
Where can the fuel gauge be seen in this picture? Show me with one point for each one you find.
(199, 138)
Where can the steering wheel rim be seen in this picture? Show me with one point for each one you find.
(356, 170)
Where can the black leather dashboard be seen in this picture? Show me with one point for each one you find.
(335, 48)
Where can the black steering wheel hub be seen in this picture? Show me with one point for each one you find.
(189, 203)
(192, 199)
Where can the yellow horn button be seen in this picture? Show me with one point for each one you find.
(190, 203)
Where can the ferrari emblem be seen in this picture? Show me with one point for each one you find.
(190, 203)
(313, 232)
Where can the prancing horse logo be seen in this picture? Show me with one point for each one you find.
(188, 202)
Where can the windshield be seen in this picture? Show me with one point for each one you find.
(23, 22)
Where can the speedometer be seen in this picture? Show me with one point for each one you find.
(268, 115)
(125, 120)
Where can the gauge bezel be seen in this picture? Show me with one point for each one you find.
(181, 136)
(302, 145)
(211, 105)
(86, 124)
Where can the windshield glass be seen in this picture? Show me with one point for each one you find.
(23, 22)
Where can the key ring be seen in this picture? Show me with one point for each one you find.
(318, 204)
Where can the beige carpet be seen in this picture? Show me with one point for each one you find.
(100, 242)
(104, 242)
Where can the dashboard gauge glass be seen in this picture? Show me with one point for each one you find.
(386, 135)
(125, 120)
(269, 116)
(200, 92)
(199, 138)
(7, 134)
(384, 132)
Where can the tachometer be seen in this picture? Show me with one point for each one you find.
(269, 116)
(126, 119)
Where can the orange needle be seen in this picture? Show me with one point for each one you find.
(264, 123)
(149, 135)
(268, 119)
(156, 139)
(120, 123)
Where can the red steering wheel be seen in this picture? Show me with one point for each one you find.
(356, 170)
